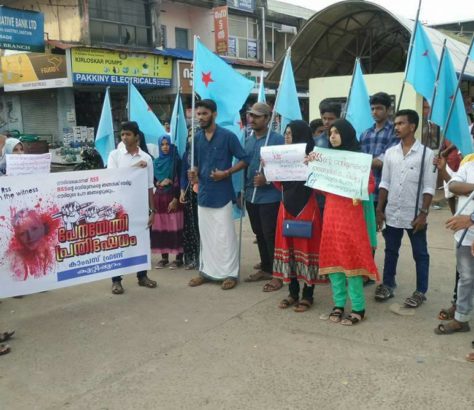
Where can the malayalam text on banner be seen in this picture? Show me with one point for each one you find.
(284, 162)
(343, 173)
(72, 228)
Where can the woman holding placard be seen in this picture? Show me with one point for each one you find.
(298, 231)
(345, 253)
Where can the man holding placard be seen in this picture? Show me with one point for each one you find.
(262, 207)
(407, 173)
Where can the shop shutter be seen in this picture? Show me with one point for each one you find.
(40, 113)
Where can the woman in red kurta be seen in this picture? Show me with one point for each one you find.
(345, 253)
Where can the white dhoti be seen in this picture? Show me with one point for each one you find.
(219, 255)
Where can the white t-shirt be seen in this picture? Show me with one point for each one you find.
(123, 159)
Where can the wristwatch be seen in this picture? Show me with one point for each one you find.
(424, 210)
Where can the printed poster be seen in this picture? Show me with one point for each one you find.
(72, 228)
(284, 162)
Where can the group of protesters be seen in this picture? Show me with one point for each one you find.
(304, 236)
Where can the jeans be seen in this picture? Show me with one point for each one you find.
(140, 275)
(355, 286)
(393, 240)
(294, 289)
(263, 220)
(465, 267)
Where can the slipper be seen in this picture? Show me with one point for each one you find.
(452, 327)
(147, 282)
(257, 266)
(336, 314)
(401, 310)
(162, 264)
(258, 276)
(4, 349)
(229, 283)
(198, 281)
(6, 336)
(286, 303)
(447, 314)
(272, 286)
(303, 306)
(117, 288)
(470, 357)
(352, 319)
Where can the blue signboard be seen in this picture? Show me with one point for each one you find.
(244, 5)
(21, 30)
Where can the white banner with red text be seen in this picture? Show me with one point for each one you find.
(71, 228)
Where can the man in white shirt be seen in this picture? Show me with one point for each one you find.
(407, 174)
(133, 156)
(462, 184)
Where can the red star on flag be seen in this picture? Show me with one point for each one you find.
(206, 78)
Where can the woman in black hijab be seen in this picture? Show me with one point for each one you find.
(296, 258)
(345, 252)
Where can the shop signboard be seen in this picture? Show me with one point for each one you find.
(32, 71)
(221, 28)
(21, 30)
(232, 47)
(251, 49)
(243, 5)
(110, 67)
(185, 75)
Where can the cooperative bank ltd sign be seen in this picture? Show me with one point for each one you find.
(21, 30)
(108, 67)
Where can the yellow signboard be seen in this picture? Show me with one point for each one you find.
(108, 67)
(34, 71)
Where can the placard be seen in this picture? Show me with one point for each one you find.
(284, 162)
(25, 164)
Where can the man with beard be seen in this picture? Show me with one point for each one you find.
(262, 207)
(214, 148)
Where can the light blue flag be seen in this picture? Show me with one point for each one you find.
(471, 54)
(423, 64)
(179, 129)
(104, 139)
(358, 111)
(217, 80)
(287, 104)
(141, 112)
(458, 128)
(261, 90)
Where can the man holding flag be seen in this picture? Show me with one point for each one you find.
(263, 208)
(214, 148)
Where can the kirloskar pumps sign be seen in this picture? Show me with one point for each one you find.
(221, 29)
(21, 30)
(108, 67)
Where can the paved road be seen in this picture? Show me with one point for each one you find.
(181, 348)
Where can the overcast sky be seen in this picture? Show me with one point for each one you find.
(432, 11)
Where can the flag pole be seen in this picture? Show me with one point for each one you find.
(410, 51)
(350, 88)
(272, 118)
(422, 169)
(128, 98)
(453, 101)
(193, 101)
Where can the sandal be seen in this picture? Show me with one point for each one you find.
(198, 281)
(147, 282)
(6, 336)
(162, 264)
(452, 327)
(4, 349)
(303, 306)
(258, 276)
(176, 264)
(190, 266)
(447, 314)
(117, 288)
(352, 319)
(336, 314)
(258, 266)
(286, 303)
(272, 286)
(229, 283)
(415, 300)
(470, 357)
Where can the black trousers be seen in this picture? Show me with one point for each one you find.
(140, 275)
(263, 220)
(294, 288)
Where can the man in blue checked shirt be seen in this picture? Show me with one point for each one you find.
(378, 138)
